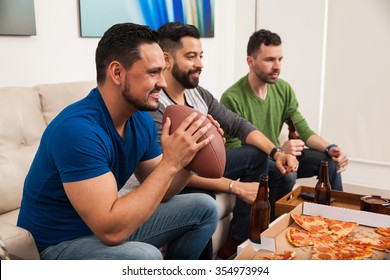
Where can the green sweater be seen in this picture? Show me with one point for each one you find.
(267, 115)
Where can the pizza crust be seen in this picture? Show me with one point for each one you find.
(285, 255)
(385, 231)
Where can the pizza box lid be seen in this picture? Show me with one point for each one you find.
(274, 238)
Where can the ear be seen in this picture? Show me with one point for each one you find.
(116, 72)
(168, 59)
(249, 61)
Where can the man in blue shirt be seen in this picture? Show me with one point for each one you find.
(70, 200)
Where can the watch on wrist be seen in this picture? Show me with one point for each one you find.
(274, 151)
(328, 149)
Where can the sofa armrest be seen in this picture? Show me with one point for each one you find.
(19, 242)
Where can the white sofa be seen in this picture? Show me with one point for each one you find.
(24, 114)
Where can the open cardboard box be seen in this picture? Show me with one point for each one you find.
(274, 238)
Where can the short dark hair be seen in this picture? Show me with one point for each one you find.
(259, 37)
(121, 42)
(170, 34)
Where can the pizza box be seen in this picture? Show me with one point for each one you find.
(293, 199)
(274, 238)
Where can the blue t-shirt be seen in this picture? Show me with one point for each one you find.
(80, 143)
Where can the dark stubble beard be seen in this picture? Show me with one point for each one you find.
(264, 77)
(184, 78)
(141, 105)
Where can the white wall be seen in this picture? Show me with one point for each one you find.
(356, 86)
(304, 26)
(55, 54)
(58, 54)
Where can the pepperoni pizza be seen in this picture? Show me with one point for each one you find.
(331, 239)
(340, 251)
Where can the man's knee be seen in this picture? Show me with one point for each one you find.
(257, 154)
(332, 167)
(259, 160)
(290, 178)
(138, 251)
(278, 179)
(210, 208)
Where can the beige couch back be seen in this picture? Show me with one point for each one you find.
(24, 115)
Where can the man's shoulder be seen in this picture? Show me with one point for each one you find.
(281, 89)
(197, 91)
(142, 116)
(164, 99)
(237, 87)
(75, 115)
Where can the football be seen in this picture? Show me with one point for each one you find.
(210, 161)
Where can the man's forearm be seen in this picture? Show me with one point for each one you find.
(179, 182)
(259, 140)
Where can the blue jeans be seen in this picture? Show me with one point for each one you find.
(185, 224)
(309, 166)
(246, 163)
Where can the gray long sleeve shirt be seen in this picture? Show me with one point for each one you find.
(203, 101)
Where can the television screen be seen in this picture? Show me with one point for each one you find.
(17, 17)
(97, 16)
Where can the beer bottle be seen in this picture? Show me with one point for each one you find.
(293, 133)
(323, 189)
(260, 211)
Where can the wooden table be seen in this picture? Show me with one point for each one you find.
(292, 199)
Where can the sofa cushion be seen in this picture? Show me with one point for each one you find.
(55, 97)
(10, 217)
(18, 242)
(225, 203)
(21, 127)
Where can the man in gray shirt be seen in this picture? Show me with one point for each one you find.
(183, 53)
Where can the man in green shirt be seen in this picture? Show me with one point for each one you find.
(268, 102)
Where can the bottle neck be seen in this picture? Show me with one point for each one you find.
(292, 131)
(262, 192)
(324, 177)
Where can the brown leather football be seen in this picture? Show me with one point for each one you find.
(210, 161)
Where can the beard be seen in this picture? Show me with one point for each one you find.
(141, 105)
(184, 78)
(266, 77)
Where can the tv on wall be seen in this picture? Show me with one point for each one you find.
(17, 17)
(97, 16)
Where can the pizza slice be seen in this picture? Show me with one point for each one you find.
(286, 255)
(340, 251)
(340, 228)
(311, 223)
(301, 238)
(385, 231)
(381, 243)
